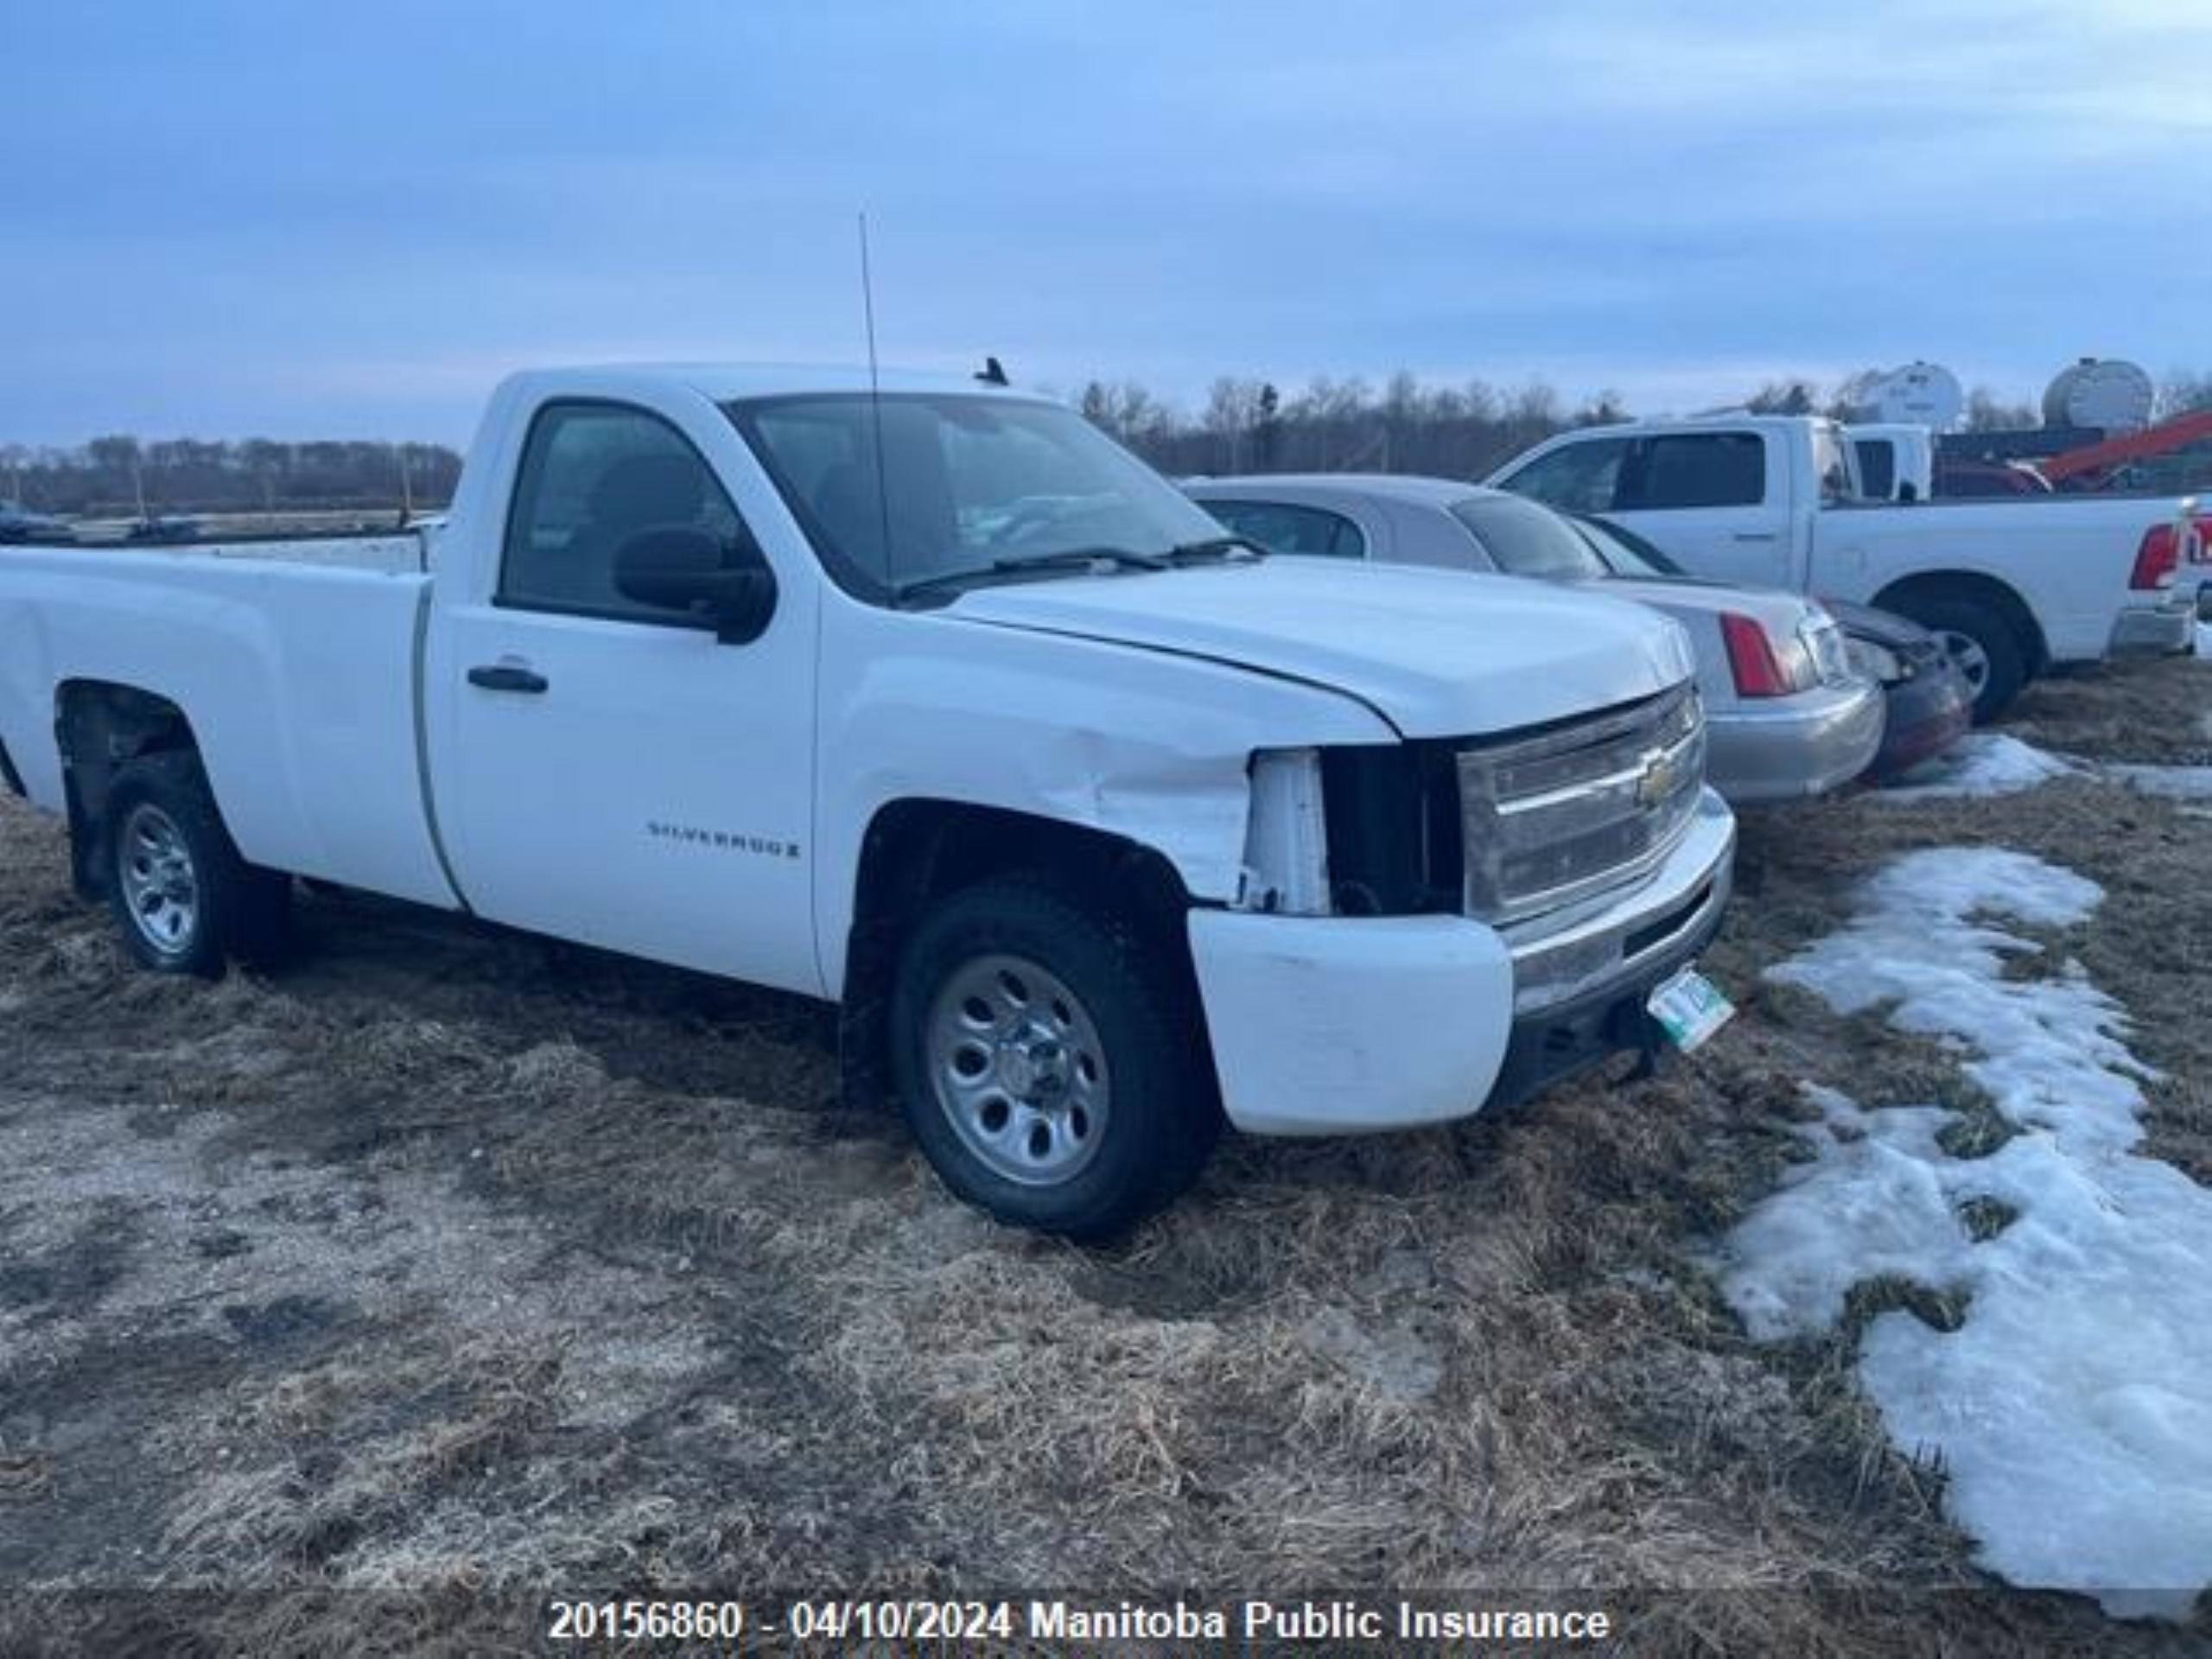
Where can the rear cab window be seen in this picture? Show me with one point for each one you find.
(1877, 467)
(1525, 538)
(1288, 527)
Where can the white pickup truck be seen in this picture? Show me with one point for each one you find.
(1774, 501)
(1099, 826)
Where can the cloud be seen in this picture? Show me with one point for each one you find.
(242, 215)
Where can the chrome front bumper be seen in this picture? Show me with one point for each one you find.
(1336, 1025)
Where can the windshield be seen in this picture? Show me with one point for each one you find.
(1525, 538)
(967, 486)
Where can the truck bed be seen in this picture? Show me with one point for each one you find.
(303, 652)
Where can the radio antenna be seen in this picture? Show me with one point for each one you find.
(875, 404)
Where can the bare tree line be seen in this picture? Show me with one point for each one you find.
(123, 475)
(1462, 430)
(1246, 424)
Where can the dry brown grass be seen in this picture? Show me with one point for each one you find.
(446, 1262)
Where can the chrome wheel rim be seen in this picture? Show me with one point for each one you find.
(160, 888)
(1016, 1066)
(1966, 653)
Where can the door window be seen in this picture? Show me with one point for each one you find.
(1575, 477)
(1699, 469)
(594, 477)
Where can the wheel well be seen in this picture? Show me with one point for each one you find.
(915, 851)
(1978, 589)
(99, 726)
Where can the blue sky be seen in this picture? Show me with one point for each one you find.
(298, 220)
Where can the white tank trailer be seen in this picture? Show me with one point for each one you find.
(2107, 394)
(1919, 394)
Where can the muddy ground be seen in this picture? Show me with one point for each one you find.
(443, 1259)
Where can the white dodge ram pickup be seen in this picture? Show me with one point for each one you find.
(1774, 501)
(1099, 826)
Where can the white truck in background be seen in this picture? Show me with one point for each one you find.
(1897, 462)
(928, 701)
(1774, 501)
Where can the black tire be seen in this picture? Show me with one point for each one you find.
(160, 812)
(1158, 1116)
(2005, 663)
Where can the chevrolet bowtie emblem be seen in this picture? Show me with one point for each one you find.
(1657, 780)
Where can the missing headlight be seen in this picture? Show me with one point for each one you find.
(1394, 828)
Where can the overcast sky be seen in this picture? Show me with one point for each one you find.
(297, 219)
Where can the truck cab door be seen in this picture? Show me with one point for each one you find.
(1716, 502)
(607, 769)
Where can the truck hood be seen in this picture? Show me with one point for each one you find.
(1437, 653)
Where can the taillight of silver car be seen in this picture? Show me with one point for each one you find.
(1762, 667)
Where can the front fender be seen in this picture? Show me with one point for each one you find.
(1143, 745)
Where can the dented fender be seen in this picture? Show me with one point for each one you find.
(1149, 746)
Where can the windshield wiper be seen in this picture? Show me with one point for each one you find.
(1075, 558)
(1078, 558)
(1216, 547)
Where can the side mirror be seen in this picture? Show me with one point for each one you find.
(681, 568)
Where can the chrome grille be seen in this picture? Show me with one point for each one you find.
(1555, 816)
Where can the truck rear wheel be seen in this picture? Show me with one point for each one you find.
(1046, 1062)
(185, 899)
(1983, 641)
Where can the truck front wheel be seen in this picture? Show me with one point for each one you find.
(1047, 1061)
(184, 897)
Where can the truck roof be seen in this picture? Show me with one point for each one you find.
(1692, 422)
(724, 381)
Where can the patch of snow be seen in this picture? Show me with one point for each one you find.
(2178, 782)
(2047, 1050)
(2072, 1407)
(1981, 763)
(2205, 639)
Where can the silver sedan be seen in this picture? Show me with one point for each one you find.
(1788, 715)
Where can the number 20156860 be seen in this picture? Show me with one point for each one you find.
(643, 1621)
